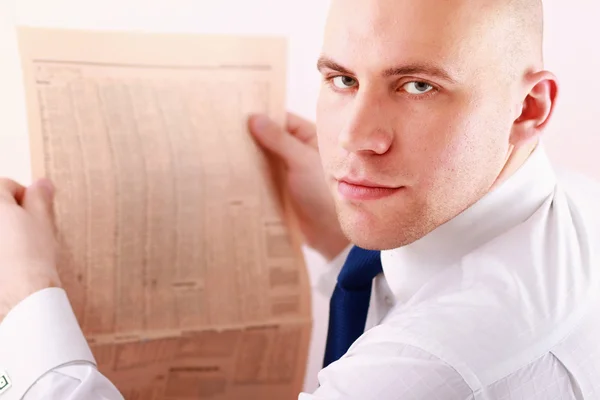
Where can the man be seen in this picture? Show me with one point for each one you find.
(429, 122)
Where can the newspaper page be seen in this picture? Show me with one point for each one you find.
(178, 249)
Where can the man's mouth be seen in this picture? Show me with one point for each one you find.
(362, 189)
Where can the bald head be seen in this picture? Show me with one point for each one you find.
(431, 97)
(510, 31)
(521, 28)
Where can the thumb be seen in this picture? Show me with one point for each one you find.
(38, 201)
(274, 138)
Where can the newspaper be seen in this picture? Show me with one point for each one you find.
(179, 251)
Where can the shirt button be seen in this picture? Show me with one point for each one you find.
(389, 301)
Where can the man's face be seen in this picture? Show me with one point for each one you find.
(415, 109)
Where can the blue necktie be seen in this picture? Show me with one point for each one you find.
(350, 302)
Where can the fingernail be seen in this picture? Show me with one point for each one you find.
(260, 122)
(47, 185)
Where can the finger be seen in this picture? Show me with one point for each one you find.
(11, 191)
(301, 128)
(38, 202)
(274, 138)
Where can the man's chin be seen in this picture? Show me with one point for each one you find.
(364, 232)
(375, 240)
(369, 232)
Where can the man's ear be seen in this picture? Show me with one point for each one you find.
(537, 107)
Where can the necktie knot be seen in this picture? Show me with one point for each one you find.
(359, 270)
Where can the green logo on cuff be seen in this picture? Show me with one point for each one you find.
(4, 382)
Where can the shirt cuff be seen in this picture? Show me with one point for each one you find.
(40, 334)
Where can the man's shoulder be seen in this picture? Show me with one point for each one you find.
(502, 306)
(566, 175)
(582, 189)
(484, 340)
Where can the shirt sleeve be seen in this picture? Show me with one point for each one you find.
(77, 381)
(44, 355)
(391, 372)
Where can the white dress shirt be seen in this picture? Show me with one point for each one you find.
(502, 302)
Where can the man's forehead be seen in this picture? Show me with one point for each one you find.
(422, 21)
(388, 32)
(461, 35)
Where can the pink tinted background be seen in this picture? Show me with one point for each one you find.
(572, 52)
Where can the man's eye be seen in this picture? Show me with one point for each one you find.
(417, 87)
(343, 82)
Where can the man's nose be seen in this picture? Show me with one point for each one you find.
(367, 129)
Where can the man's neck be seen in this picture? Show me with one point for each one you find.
(528, 181)
(515, 159)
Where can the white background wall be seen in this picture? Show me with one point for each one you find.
(572, 52)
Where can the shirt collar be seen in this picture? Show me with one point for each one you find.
(407, 268)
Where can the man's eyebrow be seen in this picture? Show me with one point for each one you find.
(419, 69)
(325, 62)
(410, 69)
